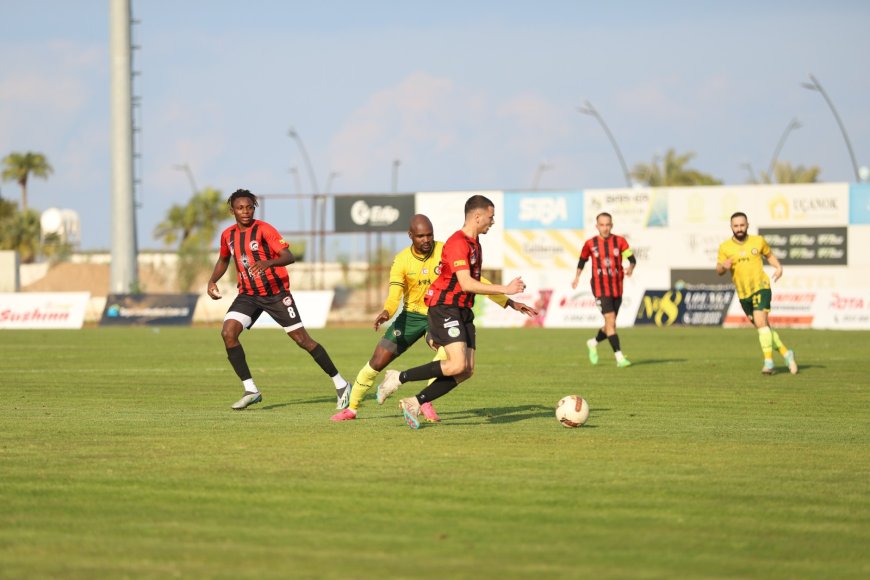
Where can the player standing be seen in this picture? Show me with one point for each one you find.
(607, 251)
(261, 256)
(742, 256)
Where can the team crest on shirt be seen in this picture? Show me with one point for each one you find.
(424, 271)
(254, 245)
(754, 251)
(287, 301)
(438, 270)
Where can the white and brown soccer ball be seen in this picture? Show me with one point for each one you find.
(572, 411)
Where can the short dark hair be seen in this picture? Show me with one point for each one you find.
(738, 214)
(242, 193)
(604, 213)
(477, 202)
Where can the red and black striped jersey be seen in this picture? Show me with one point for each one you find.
(460, 253)
(607, 272)
(258, 242)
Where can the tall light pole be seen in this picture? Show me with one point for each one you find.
(395, 182)
(588, 109)
(815, 85)
(293, 134)
(186, 168)
(315, 191)
(536, 180)
(794, 124)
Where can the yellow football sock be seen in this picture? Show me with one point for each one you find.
(364, 381)
(777, 343)
(764, 337)
(440, 355)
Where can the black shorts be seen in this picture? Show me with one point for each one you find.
(281, 307)
(608, 304)
(449, 324)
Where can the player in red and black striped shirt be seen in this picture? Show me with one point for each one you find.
(451, 321)
(606, 251)
(261, 255)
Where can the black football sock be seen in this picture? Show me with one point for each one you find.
(437, 389)
(614, 342)
(237, 358)
(430, 370)
(600, 337)
(321, 357)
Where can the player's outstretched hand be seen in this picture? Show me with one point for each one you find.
(524, 308)
(382, 318)
(516, 286)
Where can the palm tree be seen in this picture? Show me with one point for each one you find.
(672, 171)
(193, 227)
(783, 172)
(19, 231)
(19, 167)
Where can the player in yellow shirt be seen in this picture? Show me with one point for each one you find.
(414, 268)
(742, 256)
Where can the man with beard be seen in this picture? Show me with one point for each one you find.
(742, 256)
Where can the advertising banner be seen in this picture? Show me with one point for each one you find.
(809, 204)
(792, 309)
(43, 310)
(685, 307)
(631, 208)
(373, 213)
(543, 210)
(859, 204)
(843, 310)
(808, 246)
(149, 309)
(542, 249)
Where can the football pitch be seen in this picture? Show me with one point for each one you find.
(120, 457)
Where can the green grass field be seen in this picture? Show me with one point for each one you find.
(120, 457)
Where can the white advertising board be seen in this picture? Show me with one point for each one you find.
(43, 310)
(313, 307)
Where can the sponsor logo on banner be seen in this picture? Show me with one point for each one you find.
(375, 213)
(542, 248)
(149, 309)
(630, 208)
(35, 310)
(821, 246)
(819, 204)
(536, 210)
(686, 307)
(844, 310)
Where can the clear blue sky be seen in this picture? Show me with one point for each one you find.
(466, 94)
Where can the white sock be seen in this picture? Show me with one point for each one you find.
(249, 386)
(619, 356)
(592, 343)
(339, 382)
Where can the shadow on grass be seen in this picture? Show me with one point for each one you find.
(657, 361)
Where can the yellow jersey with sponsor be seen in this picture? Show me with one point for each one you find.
(747, 266)
(410, 277)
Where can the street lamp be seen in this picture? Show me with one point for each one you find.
(542, 167)
(186, 168)
(816, 86)
(396, 163)
(294, 135)
(588, 109)
(794, 124)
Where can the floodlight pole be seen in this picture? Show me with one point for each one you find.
(815, 85)
(588, 109)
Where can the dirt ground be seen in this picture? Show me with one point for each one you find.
(95, 278)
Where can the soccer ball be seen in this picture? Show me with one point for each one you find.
(572, 411)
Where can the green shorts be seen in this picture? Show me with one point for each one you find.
(758, 301)
(406, 329)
